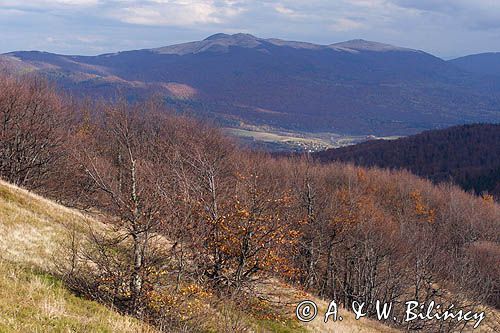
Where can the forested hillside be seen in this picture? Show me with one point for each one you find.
(190, 219)
(467, 155)
(356, 87)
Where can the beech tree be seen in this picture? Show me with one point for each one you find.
(32, 131)
(124, 161)
(260, 232)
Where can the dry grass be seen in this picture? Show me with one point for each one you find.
(289, 297)
(31, 228)
(34, 302)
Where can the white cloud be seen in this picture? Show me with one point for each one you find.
(89, 39)
(8, 11)
(280, 8)
(345, 24)
(477, 14)
(283, 10)
(177, 12)
(47, 3)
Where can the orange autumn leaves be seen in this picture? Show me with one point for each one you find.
(424, 213)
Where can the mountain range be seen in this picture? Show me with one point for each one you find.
(354, 87)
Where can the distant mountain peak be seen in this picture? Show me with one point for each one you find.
(217, 36)
(219, 43)
(366, 45)
(238, 36)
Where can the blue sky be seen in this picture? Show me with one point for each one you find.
(446, 28)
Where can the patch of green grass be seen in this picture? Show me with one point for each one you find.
(35, 302)
(288, 326)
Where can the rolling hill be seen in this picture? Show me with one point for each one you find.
(468, 155)
(483, 63)
(354, 87)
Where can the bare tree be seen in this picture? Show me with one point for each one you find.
(32, 131)
(123, 160)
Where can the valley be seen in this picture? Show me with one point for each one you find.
(353, 88)
(275, 140)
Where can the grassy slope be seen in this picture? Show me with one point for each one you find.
(31, 300)
(35, 302)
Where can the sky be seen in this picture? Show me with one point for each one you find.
(446, 28)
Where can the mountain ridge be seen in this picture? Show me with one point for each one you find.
(224, 41)
(352, 87)
(249, 40)
(487, 63)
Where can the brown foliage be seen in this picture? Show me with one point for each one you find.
(32, 130)
(185, 204)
